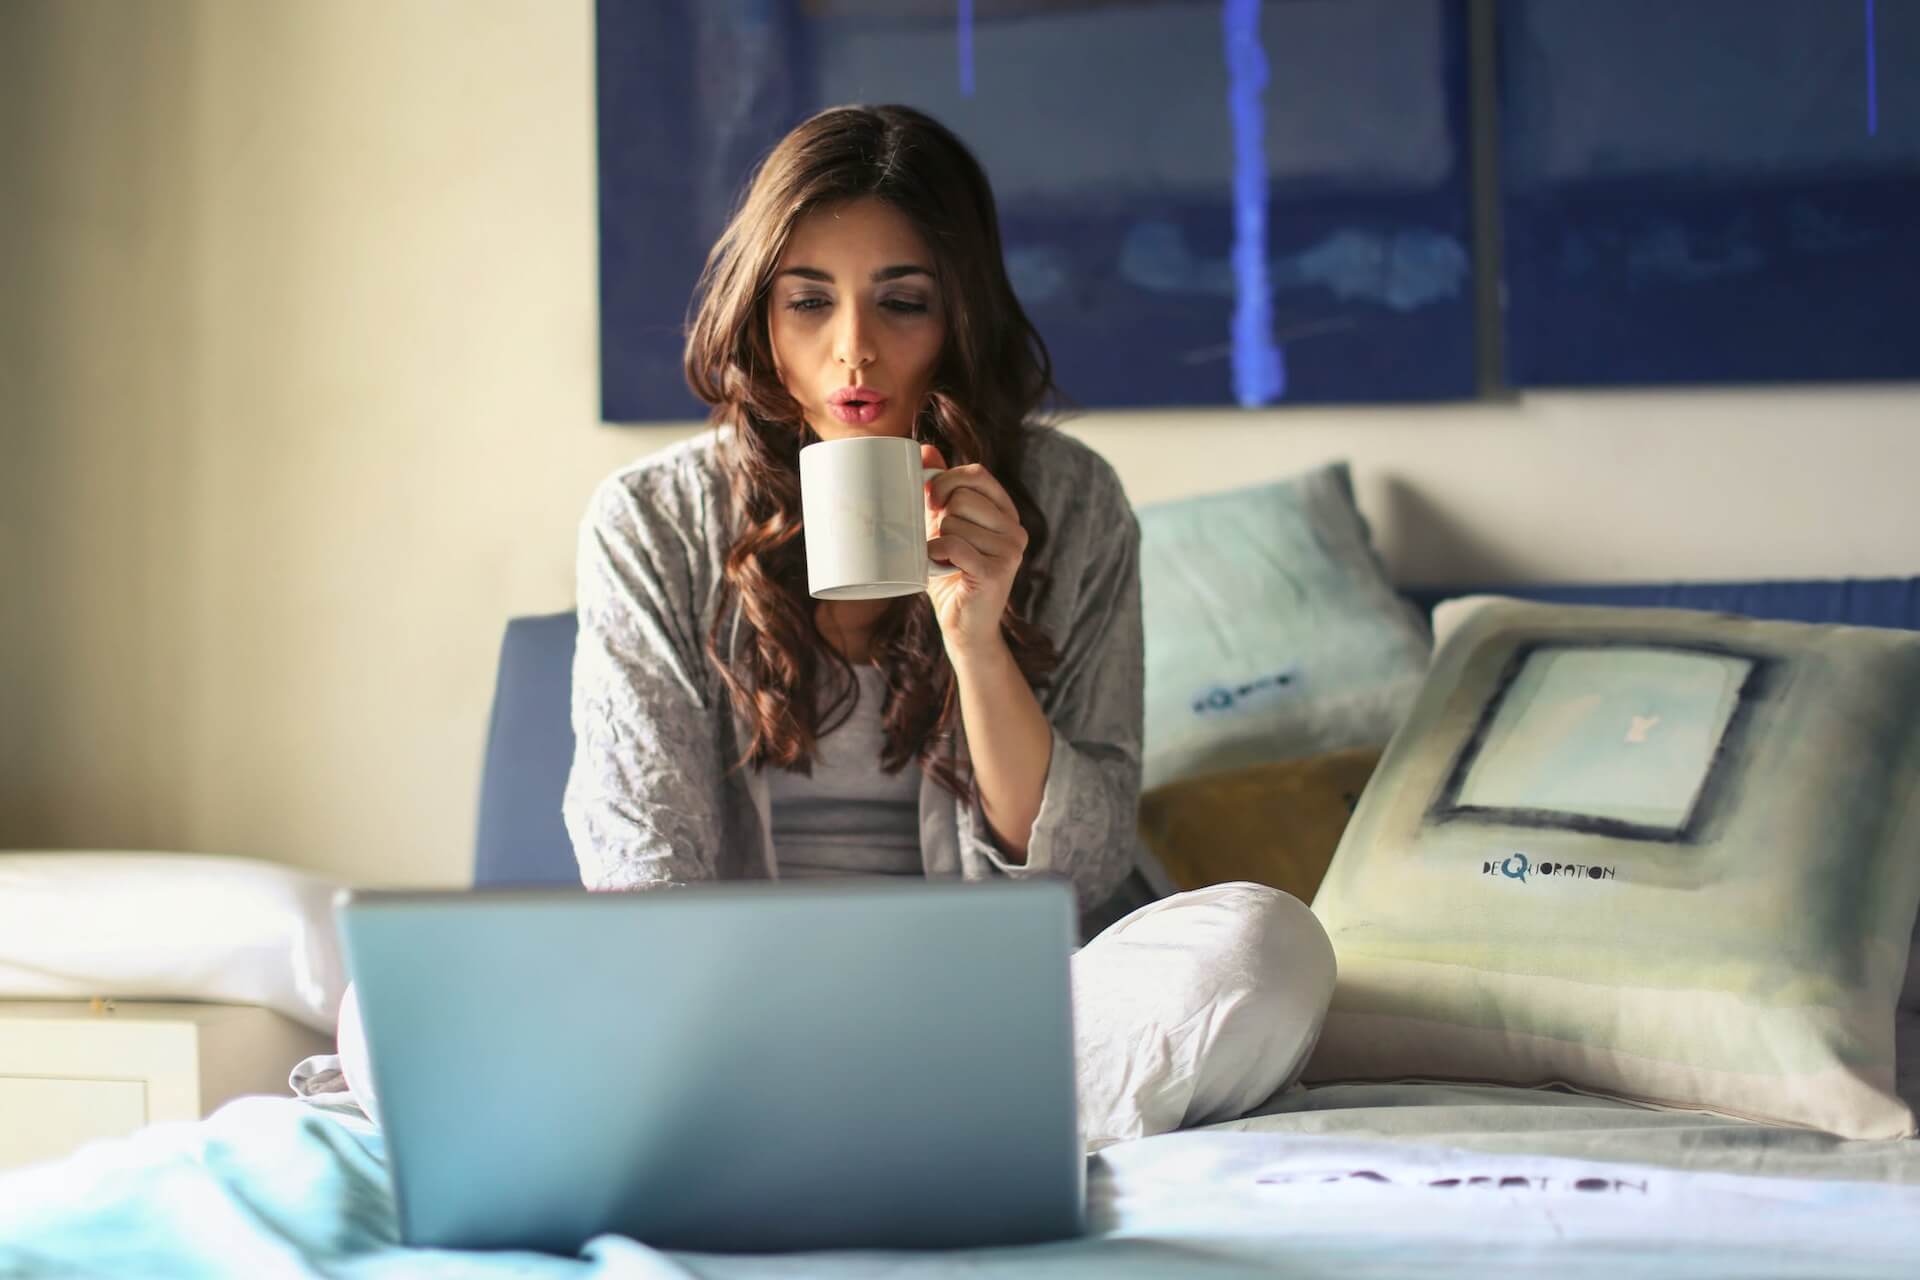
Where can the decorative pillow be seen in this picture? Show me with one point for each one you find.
(1449, 614)
(1274, 824)
(169, 927)
(1659, 855)
(1271, 629)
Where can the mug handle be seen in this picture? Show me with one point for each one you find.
(934, 568)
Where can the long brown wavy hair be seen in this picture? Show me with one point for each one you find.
(989, 386)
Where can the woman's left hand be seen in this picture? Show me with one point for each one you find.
(973, 525)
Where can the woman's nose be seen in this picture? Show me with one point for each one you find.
(852, 345)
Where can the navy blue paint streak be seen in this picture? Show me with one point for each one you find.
(1873, 78)
(1259, 368)
(963, 38)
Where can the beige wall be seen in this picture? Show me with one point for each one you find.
(298, 368)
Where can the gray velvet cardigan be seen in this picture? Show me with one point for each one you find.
(653, 798)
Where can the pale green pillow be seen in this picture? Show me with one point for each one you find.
(1665, 856)
(1271, 629)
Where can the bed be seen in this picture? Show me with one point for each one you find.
(1383, 1180)
(1354, 1180)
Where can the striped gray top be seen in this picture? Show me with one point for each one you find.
(849, 818)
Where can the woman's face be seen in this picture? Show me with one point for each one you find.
(855, 318)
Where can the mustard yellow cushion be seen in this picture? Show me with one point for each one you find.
(1275, 824)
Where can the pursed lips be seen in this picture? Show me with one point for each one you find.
(858, 405)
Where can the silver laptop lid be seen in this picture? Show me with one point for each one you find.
(727, 1067)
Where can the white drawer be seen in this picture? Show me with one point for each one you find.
(71, 1071)
(46, 1118)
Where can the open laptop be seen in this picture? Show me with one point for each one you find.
(732, 1067)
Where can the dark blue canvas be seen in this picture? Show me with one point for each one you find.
(1202, 201)
(1709, 191)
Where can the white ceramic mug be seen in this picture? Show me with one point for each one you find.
(866, 528)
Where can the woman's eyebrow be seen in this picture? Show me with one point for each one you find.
(879, 277)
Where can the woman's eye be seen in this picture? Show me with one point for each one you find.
(806, 304)
(905, 306)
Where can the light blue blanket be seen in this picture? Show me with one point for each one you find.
(268, 1187)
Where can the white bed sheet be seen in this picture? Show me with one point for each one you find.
(287, 1188)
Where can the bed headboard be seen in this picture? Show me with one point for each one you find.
(521, 840)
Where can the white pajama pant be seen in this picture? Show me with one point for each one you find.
(1196, 1008)
(1192, 1009)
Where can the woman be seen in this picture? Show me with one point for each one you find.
(729, 726)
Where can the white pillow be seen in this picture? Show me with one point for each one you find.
(169, 927)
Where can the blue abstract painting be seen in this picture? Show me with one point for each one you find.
(1709, 191)
(1202, 201)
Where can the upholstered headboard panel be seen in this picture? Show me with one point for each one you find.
(521, 840)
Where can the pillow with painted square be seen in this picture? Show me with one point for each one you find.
(1658, 855)
(1448, 614)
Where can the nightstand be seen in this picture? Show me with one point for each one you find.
(71, 1071)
